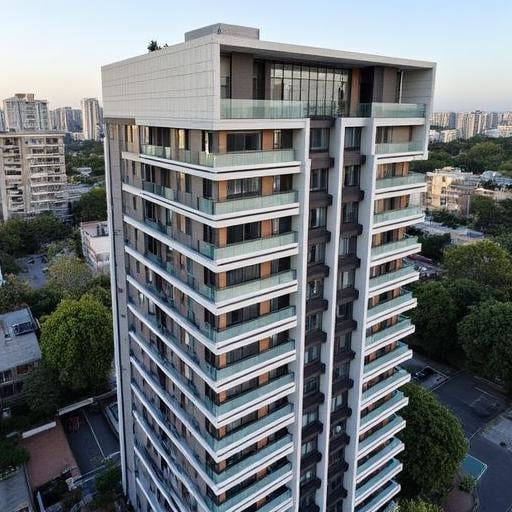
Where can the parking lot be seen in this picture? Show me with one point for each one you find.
(33, 270)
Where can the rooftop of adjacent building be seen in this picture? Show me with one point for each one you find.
(97, 235)
(242, 39)
(25, 96)
(18, 339)
(33, 133)
(14, 492)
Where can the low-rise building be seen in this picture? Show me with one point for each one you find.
(458, 236)
(96, 245)
(19, 352)
(15, 493)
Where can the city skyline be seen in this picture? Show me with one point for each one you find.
(41, 69)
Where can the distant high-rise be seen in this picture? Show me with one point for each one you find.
(444, 119)
(66, 119)
(2, 121)
(24, 113)
(259, 197)
(91, 119)
(32, 174)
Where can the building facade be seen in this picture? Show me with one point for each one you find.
(66, 119)
(258, 199)
(19, 352)
(96, 245)
(91, 119)
(24, 113)
(32, 174)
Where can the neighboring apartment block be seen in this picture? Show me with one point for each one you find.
(96, 245)
(24, 113)
(32, 174)
(259, 195)
(19, 352)
(91, 119)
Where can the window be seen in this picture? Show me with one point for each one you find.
(319, 179)
(349, 213)
(282, 139)
(341, 370)
(312, 354)
(244, 141)
(342, 342)
(348, 246)
(207, 188)
(225, 76)
(313, 322)
(309, 417)
(352, 138)
(344, 311)
(283, 183)
(351, 178)
(319, 139)
(282, 225)
(315, 288)
(316, 253)
(241, 275)
(308, 475)
(243, 232)
(309, 446)
(311, 385)
(244, 187)
(338, 401)
(346, 279)
(318, 217)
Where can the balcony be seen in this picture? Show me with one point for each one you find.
(395, 306)
(389, 471)
(392, 148)
(384, 496)
(392, 110)
(412, 214)
(230, 206)
(397, 331)
(385, 386)
(219, 160)
(393, 448)
(261, 109)
(412, 180)
(244, 249)
(406, 274)
(392, 250)
(379, 436)
(392, 358)
(391, 406)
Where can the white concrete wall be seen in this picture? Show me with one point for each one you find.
(165, 87)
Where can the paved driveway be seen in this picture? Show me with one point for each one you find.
(32, 270)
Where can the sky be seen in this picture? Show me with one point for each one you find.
(55, 48)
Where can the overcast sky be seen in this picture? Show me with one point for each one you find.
(55, 48)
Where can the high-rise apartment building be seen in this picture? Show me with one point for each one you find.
(259, 195)
(66, 119)
(24, 113)
(2, 121)
(91, 119)
(32, 174)
(444, 119)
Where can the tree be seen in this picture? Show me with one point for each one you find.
(91, 206)
(69, 276)
(484, 262)
(41, 391)
(435, 445)
(482, 156)
(417, 505)
(432, 246)
(11, 456)
(77, 343)
(435, 318)
(14, 293)
(486, 338)
(153, 46)
(484, 209)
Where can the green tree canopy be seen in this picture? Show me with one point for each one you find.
(482, 156)
(69, 276)
(77, 343)
(435, 445)
(435, 318)
(41, 391)
(14, 293)
(432, 246)
(487, 340)
(485, 263)
(11, 455)
(92, 206)
(417, 505)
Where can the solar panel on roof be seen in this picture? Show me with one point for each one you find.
(22, 328)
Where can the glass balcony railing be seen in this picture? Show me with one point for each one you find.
(403, 324)
(400, 352)
(413, 146)
(221, 207)
(386, 473)
(389, 305)
(395, 110)
(231, 159)
(261, 109)
(391, 247)
(385, 494)
(389, 383)
(393, 403)
(250, 246)
(400, 274)
(397, 215)
(413, 178)
(390, 450)
(382, 433)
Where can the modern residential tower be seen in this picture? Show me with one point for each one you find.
(24, 113)
(259, 195)
(91, 119)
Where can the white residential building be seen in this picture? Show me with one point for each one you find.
(96, 245)
(91, 119)
(24, 113)
(32, 174)
(258, 197)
